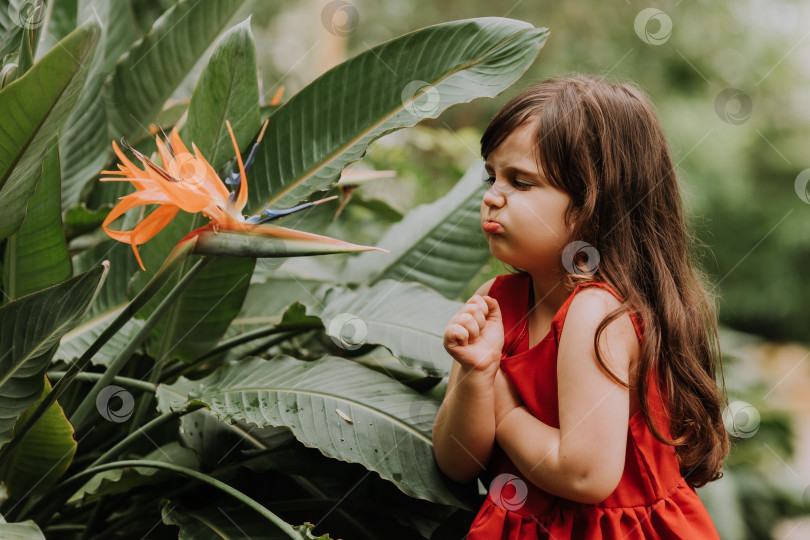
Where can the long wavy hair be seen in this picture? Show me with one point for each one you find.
(602, 143)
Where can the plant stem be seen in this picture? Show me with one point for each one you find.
(222, 486)
(123, 381)
(89, 402)
(287, 331)
(129, 439)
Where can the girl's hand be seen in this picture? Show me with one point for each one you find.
(506, 397)
(474, 336)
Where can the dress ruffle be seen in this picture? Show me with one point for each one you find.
(672, 517)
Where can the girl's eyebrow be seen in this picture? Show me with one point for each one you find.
(515, 171)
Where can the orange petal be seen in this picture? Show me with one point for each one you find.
(128, 165)
(145, 230)
(166, 158)
(149, 227)
(277, 98)
(215, 186)
(177, 142)
(153, 223)
(143, 197)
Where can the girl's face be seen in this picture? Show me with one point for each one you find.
(522, 214)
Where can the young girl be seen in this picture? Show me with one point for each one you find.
(583, 388)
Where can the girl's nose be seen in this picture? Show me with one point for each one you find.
(494, 196)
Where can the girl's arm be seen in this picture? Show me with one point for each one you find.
(583, 460)
(464, 429)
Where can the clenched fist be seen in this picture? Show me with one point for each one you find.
(474, 336)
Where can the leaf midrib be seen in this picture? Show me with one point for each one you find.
(326, 161)
(394, 420)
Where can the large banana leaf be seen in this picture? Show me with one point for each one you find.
(33, 108)
(439, 244)
(37, 255)
(346, 411)
(228, 89)
(407, 318)
(155, 65)
(43, 455)
(30, 329)
(84, 144)
(329, 124)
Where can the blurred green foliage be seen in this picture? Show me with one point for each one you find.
(738, 178)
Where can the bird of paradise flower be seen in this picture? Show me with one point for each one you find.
(187, 182)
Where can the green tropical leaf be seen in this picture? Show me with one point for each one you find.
(147, 75)
(110, 302)
(33, 108)
(25, 530)
(30, 329)
(346, 411)
(61, 19)
(122, 480)
(44, 454)
(80, 220)
(407, 318)
(228, 89)
(37, 255)
(213, 441)
(329, 124)
(439, 244)
(83, 143)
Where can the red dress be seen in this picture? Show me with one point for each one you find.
(652, 499)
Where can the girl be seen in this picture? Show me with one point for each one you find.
(583, 387)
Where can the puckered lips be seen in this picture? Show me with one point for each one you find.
(491, 226)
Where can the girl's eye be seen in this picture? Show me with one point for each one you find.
(489, 181)
(521, 185)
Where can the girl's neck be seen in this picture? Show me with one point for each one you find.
(549, 294)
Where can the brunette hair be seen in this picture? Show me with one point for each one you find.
(602, 143)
